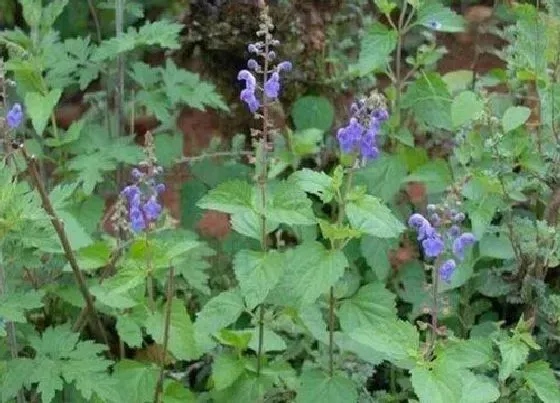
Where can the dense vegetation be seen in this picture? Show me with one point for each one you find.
(351, 223)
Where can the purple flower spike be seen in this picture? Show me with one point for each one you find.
(252, 48)
(447, 269)
(137, 221)
(14, 116)
(461, 243)
(433, 245)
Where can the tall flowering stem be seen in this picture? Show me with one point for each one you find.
(139, 201)
(443, 243)
(357, 140)
(259, 97)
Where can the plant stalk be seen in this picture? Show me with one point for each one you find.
(119, 94)
(58, 225)
(170, 292)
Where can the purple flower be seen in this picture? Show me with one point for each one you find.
(252, 48)
(272, 86)
(14, 116)
(459, 217)
(159, 188)
(349, 137)
(433, 245)
(284, 66)
(460, 243)
(137, 221)
(248, 96)
(252, 64)
(131, 191)
(447, 269)
(249, 78)
(271, 55)
(454, 231)
(152, 209)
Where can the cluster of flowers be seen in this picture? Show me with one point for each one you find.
(14, 117)
(271, 88)
(360, 136)
(142, 198)
(433, 243)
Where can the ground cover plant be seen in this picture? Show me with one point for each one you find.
(390, 236)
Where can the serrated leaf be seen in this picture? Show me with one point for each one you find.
(169, 148)
(370, 303)
(14, 305)
(317, 386)
(257, 274)
(271, 340)
(40, 107)
(540, 377)
(136, 381)
(514, 117)
(229, 197)
(383, 178)
(370, 216)
(465, 107)
(312, 112)
(446, 20)
(430, 100)
(129, 331)
(182, 343)
(220, 311)
(478, 389)
(375, 48)
(317, 183)
(435, 386)
(376, 252)
(470, 353)
(514, 352)
(395, 340)
(289, 205)
(226, 369)
(434, 174)
(309, 272)
(250, 225)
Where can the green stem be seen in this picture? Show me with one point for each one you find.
(262, 181)
(150, 276)
(119, 94)
(170, 292)
(337, 246)
(435, 309)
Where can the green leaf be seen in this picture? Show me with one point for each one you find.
(478, 389)
(61, 358)
(333, 232)
(312, 112)
(436, 386)
(229, 197)
(514, 352)
(434, 174)
(220, 311)
(540, 377)
(129, 331)
(182, 343)
(371, 303)
(136, 381)
(175, 392)
(465, 107)
(271, 340)
(433, 11)
(39, 108)
(429, 99)
(470, 353)
(375, 48)
(310, 269)
(226, 369)
(169, 148)
(514, 117)
(247, 388)
(496, 247)
(370, 216)
(317, 183)
(317, 386)
(397, 341)
(14, 305)
(257, 274)
(250, 225)
(376, 252)
(383, 178)
(77, 235)
(289, 205)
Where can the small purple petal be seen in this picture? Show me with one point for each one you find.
(14, 116)
(447, 269)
